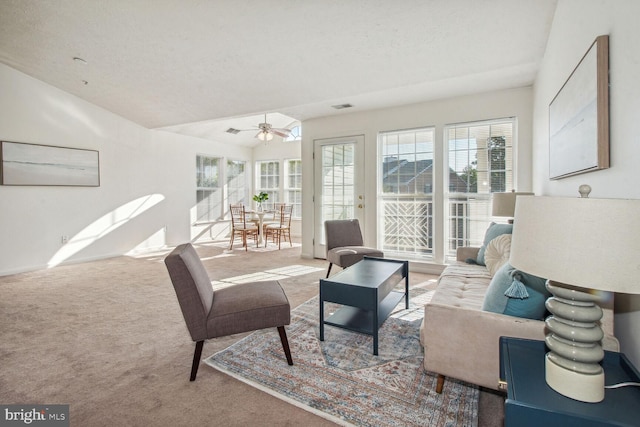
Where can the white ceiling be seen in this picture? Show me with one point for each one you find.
(197, 67)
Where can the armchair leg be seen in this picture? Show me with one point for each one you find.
(440, 384)
(329, 270)
(285, 344)
(196, 360)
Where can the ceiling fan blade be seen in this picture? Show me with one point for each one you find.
(284, 133)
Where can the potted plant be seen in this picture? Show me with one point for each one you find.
(259, 198)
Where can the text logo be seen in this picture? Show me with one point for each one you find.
(34, 415)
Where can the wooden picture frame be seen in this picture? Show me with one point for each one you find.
(579, 116)
(34, 164)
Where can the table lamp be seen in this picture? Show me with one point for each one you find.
(580, 245)
(504, 204)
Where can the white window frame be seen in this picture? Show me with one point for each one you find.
(237, 190)
(411, 206)
(467, 211)
(209, 208)
(269, 183)
(470, 212)
(290, 190)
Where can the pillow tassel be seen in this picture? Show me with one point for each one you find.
(517, 288)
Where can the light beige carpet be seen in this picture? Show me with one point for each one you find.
(108, 338)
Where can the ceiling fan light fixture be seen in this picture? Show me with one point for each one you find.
(265, 136)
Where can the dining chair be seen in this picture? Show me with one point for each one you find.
(274, 216)
(280, 229)
(240, 227)
(226, 311)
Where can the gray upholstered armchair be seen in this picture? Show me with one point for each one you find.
(345, 244)
(231, 310)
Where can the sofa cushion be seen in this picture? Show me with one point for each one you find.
(530, 307)
(492, 232)
(462, 285)
(497, 253)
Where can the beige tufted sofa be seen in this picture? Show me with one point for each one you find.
(461, 341)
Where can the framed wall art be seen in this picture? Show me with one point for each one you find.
(579, 116)
(33, 164)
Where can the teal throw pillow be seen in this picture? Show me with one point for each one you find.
(527, 294)
(492, 232)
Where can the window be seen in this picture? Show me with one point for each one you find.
(236, 182)
(477, 160)
(295, 134)
(480, 163)
(269, 181)
(293, 186)
(338, 180)
(406, 182)
(208, 190)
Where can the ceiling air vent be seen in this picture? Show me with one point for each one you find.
(341, 106)
(233, 131)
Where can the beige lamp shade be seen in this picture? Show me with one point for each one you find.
(585, 242)
(504, 204)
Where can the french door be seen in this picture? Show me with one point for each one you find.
(338, 184)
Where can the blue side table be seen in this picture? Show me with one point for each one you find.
(531, 402)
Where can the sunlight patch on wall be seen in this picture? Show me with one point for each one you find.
(77, 114)
(153, 242)
(105, 225)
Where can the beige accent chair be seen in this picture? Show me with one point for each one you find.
(231, 310)
(345, 244)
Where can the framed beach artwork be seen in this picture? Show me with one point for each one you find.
(579, 116)
(33, 164)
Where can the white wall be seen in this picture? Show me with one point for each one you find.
(576, 25)
(147, 181)
(484, 106)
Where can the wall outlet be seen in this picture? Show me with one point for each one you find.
(64, 239)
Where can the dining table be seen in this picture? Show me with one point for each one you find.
(260, 214)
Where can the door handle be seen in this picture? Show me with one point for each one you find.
(360, 205)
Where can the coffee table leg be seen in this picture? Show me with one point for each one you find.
(321, 316)
(406, 291)
(375, 332)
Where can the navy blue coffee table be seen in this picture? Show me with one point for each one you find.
(366, 292)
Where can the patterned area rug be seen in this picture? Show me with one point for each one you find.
(340, 379)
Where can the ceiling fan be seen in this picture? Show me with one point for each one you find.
(266, 131)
